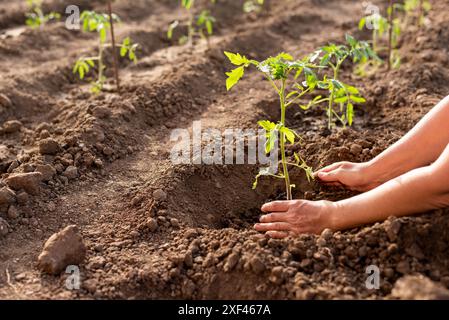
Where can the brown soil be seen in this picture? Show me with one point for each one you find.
(204, 246)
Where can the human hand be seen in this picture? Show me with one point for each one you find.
(294, 217)
(353, 176)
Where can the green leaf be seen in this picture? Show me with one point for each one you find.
(285, 56)
(351, 41)
(350, 113)
(209, 27)
(267, 125)
(357, 99)
(341, 99)
(289, 134)
(234, 76)
(362, 23)
(103, 35)
(236, 58)
(187, 4)
(272, 138)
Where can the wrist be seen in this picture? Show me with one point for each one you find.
(378, 172)
(332, 216)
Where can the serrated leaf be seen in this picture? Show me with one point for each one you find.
(236, 58)
(289, 134)
(267, 125)
(234, 76)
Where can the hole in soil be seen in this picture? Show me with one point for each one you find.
(219, 197)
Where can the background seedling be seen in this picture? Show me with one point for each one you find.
(253, 6)
(345, 95)
(379, 26)
(100, 23)
(394, 31)
(36, 17)
(418, 9)
(202, 25)
(279, 71)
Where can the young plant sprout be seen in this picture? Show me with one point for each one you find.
(203, 24)
(253, 6)
(279, 71)
(394, 31)
(418, 8)
(100, 23)
(339, 93)
(379, 26)
(36, 17)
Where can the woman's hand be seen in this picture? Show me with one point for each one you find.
(353, 176)
(291, 218)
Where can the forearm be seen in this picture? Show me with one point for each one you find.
(417, 191)
(419, 147)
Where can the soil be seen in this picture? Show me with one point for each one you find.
(154, 230)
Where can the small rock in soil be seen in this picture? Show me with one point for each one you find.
(327, 234)
(174, 222)
(61, 250)
(48, 146)
(29, 182)
(419, 287)
(257, 265)
(231, 261)
(403, 267)
(47, 171)
(12, 126)
(356, 149)
(5, 101)
(13, 213)
(4, 226)
(392, 228)
(71, 172)
(22, 198)
(152, 224)
(159, 195)
(7, 196)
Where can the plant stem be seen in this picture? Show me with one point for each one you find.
(282, 143)
(100, 65)
(390, 32)
(420, 13)
(114, 51)
(190, 28)
(330, 109)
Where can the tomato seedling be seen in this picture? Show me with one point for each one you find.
(279, 71)
(253, 6)
(100, 23)
(416, 9)
(379, 26)
(344, 95)
(36, 17)
(202, 25)
(394, 31)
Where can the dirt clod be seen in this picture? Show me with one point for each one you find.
(48, 146)
(7, 196)
(30, 182)
(71, 172)
(62, 249)
(12, 126)
(419, 287)
(4, 227)
(159, 195)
